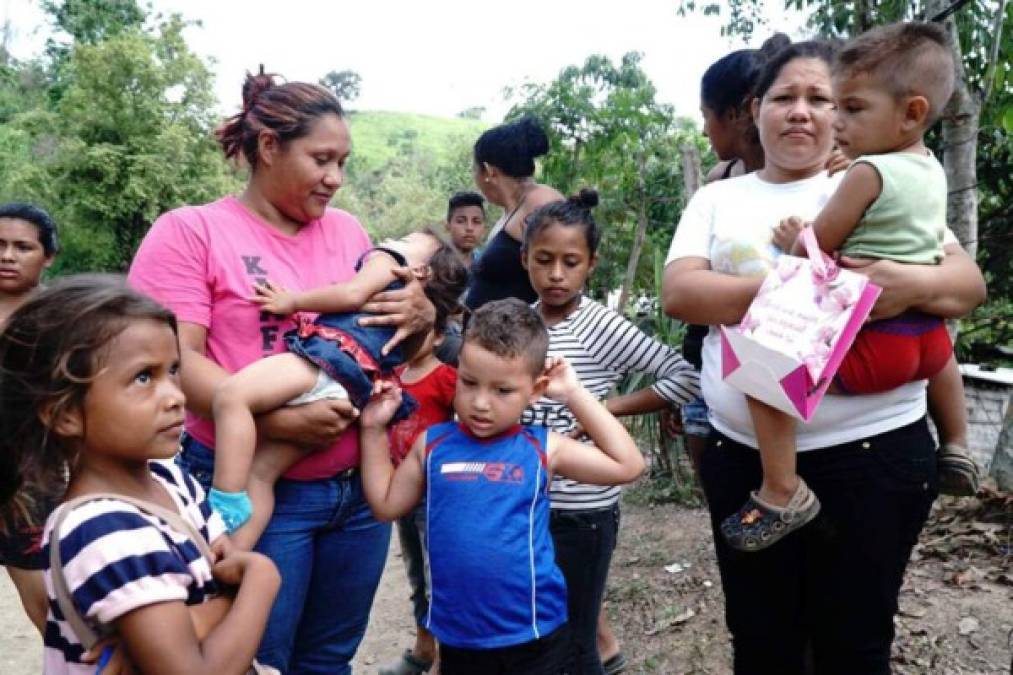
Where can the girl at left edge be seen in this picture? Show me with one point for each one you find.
(28, 246)
(76, 360)
(202, 263)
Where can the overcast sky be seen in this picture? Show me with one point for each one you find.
(433, 56)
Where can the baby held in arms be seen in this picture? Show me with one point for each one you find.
(331, 356)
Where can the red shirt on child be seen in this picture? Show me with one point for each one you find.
(435, 394)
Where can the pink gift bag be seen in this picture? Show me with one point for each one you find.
(802, 322)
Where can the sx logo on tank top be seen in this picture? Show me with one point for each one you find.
(494, 472)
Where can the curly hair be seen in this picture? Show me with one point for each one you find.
(448, 277)
(510, 328)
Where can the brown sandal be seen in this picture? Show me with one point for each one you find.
(958, 474)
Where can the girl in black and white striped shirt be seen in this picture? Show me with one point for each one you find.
(560, 245)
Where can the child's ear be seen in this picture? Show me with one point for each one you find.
(592, 265)
(541, 382)
(67, 423)
(916, 111)
(524, 257)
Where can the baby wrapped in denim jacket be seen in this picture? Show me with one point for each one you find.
(329, 356)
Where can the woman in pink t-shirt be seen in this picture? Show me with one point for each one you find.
(202, 262)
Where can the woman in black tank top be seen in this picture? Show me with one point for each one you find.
(504, 170)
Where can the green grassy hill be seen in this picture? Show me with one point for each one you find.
(379, 136)
(404, 167)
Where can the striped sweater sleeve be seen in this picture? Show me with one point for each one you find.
(622, 347)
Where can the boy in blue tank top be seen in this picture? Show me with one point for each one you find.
(498, 600)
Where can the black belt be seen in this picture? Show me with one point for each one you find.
(346, 474)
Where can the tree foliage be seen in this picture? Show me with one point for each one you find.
(608, 131)
(91, 21)
(408, 189)
(346, 84)
(112, 132)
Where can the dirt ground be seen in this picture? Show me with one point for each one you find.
(20, 644)
(665, 600)
(956, 613)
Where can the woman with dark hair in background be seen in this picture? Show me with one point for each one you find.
(503, 172)
(725, 91)
(28, 245)
(202, 263)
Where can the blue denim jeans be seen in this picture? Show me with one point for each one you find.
(584, 541)
(339, 346)
(330, 552)
(411, 533)
(694, 418)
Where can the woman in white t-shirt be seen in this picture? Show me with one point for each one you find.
(829, 590)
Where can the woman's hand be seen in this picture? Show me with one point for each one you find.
(408, 308)
(315, 425)
(671, 421)
(903, 285)
(949, 290)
